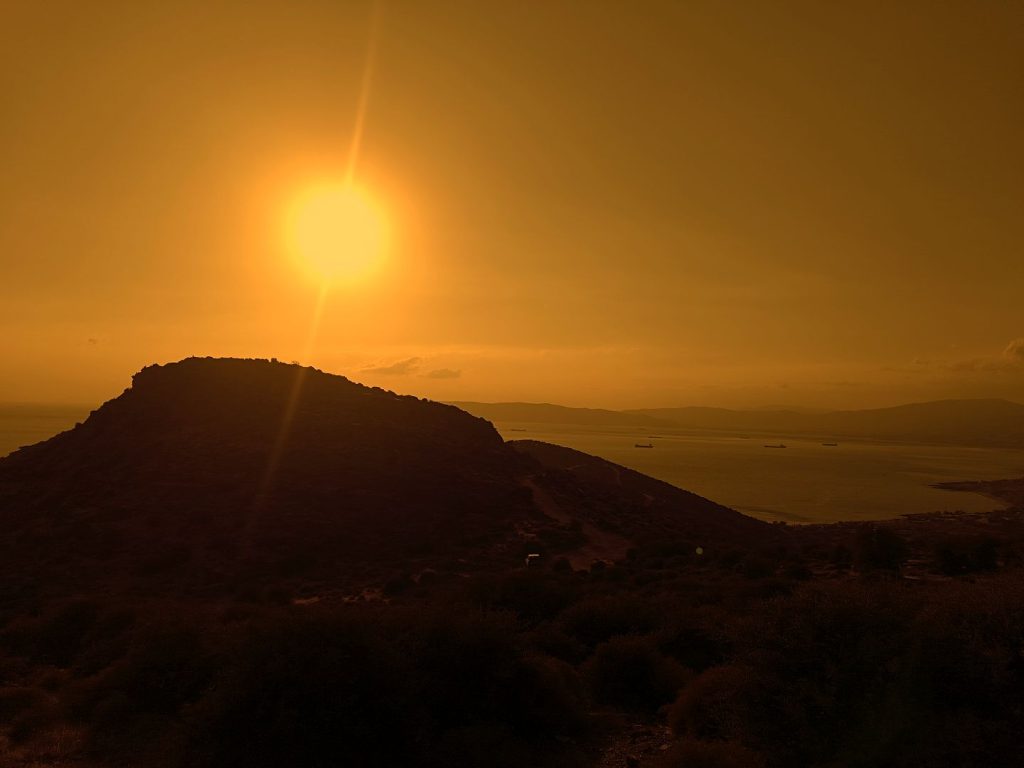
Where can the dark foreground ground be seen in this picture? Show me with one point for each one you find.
(896, 644)
(373, 605)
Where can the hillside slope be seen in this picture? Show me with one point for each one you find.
(219, 474)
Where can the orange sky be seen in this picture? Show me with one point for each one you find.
(602, 204)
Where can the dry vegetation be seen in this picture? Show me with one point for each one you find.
(135, 631)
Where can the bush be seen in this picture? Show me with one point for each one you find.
(597, 619)
(694, 639)
(880, 549)
(409, 687)
(131, 705)
(315, 692)
(712, 705)
(630, 673)
(871, 673)
(561, 565)
(957, 556)
(54, 638)
(534, 595)
(25, 710)
(756, 566)
(166, 668)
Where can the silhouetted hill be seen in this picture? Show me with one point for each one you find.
(188, 479)
(973, 422)
(546, 413)
(179, 474)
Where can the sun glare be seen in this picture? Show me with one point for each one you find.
(337, 233)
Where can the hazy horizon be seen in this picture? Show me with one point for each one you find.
(734, 206)
(85, 405)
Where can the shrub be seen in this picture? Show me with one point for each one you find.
(797, 572)
(131, 705)
(630, 673)
(561, 565)
(397, 585)
(534, 595)
(597, 619)
(411, 687)
(16, 699)
(694, 639)
(871, 673)
(963, 555)
(25, 710)
(756, 566)
(56, 637)
(880, 549)
(711, 706)
(165, 668)
(309, 692)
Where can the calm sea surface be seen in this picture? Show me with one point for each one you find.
(27, 424)
(803, 482)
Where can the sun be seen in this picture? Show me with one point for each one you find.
(337, 232)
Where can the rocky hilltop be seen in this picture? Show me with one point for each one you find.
(228, 471)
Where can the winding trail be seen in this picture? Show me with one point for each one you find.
(601, 545)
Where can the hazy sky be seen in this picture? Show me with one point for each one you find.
(607, 204)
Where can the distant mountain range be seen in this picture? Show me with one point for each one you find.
(547, 413)
(966, 422)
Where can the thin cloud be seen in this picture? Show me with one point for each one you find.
(1014, 351)
(1011, 361)
(401, 368)
(977, 365)
(443, 373)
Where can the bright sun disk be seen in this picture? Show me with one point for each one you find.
(337, 233)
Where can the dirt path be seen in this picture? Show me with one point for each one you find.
(601, 545)
(637, 745)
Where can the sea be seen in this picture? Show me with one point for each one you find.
(25, 424)
(805, 482)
